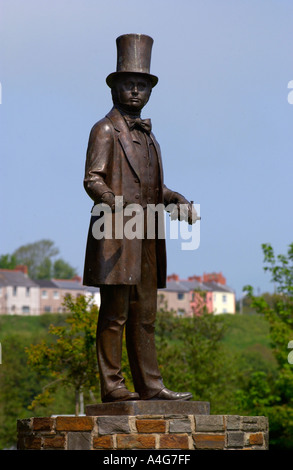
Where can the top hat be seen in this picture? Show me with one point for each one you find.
(133, 56)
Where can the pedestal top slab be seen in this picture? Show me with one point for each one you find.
(149, 407)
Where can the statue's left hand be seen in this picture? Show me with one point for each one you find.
(184, 209)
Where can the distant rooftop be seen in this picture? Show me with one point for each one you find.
(48, 283)
(213, 282)
(9, 277)
(70, 284)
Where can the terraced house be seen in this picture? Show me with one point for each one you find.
(20, 295)
(192, 296)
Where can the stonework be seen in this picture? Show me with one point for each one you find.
(188, 432)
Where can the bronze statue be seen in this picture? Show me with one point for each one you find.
(124, 159)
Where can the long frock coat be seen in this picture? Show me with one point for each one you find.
(111, 165)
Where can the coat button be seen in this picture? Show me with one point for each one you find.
(137, 196)
(136, 180)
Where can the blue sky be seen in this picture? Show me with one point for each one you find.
(220, 112)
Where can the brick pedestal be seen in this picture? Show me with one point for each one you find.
(162, 431)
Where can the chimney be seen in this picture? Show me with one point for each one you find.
(214, 277)
(77, 278)
(22, 268)
(173, 277)
(195, 278)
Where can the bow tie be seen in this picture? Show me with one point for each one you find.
(143, 124)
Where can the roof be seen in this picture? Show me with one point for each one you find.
(175, 286)
(92, 289)
(216, 287)
(194, 285)
(8, 277)
(187, 286)
(68, 284)
(46, 283)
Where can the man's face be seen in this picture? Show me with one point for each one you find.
(132, 91)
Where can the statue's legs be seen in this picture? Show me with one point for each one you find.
(140, 327)
(135, 307)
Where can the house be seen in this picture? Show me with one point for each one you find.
(196, 294)
(53, 292)
(19, 295)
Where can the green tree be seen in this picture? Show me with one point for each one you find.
(63, 270)
(18, 386)
(274, 396)
(8, 261)
(39, 259)
(192, 357)
(70, 360)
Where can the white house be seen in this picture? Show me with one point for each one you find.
(19, 295)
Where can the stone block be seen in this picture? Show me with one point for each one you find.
(113, 425)
(233, 423)
(235, 439)
(151, 425)
(43, 424)
(250, 423)
(24, 426)
(208, 423)
(209, 441)
(33, 443)
(103, 442)
(72, 423)
(256, 438)
(179, 426)
(174, 441)
(79, 441)
(136, 441)
(54, 442)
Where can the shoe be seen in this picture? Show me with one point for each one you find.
(120, 394)
(166, 394)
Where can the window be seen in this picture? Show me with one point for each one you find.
(27, 292)
(224, 310)
(14, 292)
(47, 308)
(224, 298)
(180, 296)
(0, 291)
(25, 309)
(56, 294)
(180, 312)
(215, 297)
(44, 294)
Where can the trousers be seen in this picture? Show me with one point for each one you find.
(134, 308)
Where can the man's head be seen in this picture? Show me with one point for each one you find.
(131, 91)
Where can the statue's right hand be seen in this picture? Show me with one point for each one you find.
(109, 199)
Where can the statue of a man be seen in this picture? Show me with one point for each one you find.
(124, 159)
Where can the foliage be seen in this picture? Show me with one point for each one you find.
(39, 259)
(192, 357)
(8, 261)
(62, 270)
(70, 360)
(275, 394)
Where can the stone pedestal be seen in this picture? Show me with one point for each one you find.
(149, 407)
(132, 425)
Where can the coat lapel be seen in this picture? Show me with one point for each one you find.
(158, 150)
(124, 138)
